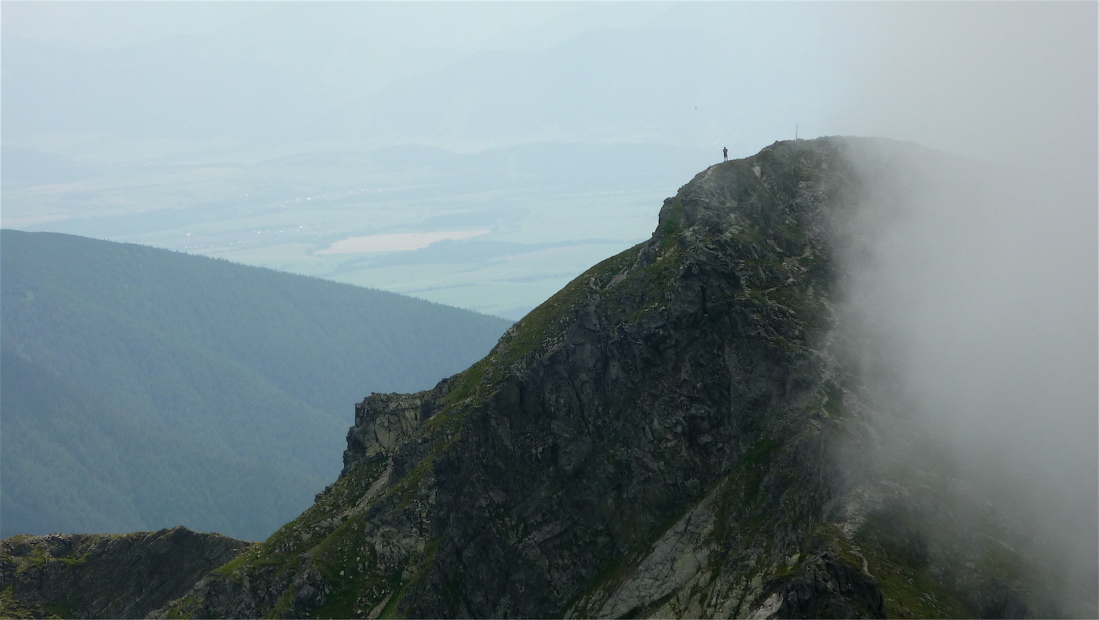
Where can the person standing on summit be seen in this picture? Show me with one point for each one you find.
(725, 152)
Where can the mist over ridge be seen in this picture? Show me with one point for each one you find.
(970, 304)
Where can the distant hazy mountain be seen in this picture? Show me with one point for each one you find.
(144, 388)
(579, 90)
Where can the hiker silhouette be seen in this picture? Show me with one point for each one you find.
(725, 152)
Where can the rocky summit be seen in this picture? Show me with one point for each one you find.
(676, 433)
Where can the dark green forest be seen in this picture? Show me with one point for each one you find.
(143, 388)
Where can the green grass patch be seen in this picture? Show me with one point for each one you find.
(283, 548)
(467, 384)
(405, 491)
(672, 227)
(833, 538)
(760, 453)
(339, 558)
(419, 571)
(899, 564)
(10, 607)
(548, 321)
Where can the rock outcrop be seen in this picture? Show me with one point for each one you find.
(105, 575)
(673, 434)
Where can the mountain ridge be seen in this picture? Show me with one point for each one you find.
(677, 432)
(103, 575)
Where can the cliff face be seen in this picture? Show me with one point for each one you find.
(669, 435)
(103, 575)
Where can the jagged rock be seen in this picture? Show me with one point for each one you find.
(104, 575)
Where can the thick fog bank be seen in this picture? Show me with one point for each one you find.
(970, 304)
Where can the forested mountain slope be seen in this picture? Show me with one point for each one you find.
(144, 388)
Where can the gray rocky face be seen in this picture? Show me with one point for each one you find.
(675, 433)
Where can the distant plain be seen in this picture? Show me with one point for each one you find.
(496, 232)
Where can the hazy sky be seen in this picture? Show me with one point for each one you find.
(997, 80)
